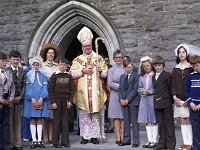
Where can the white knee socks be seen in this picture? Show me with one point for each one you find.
(39, 132)
(33, 132)
(152, 132)
(149, 133)
(189, 141)
(155, 133)
(184, 131)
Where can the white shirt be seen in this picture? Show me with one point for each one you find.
(13, 68)
(4, 77)
(3, 74)
(157, 75)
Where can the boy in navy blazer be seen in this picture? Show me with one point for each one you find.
(129, 99)
(192, 86)
(163, 105)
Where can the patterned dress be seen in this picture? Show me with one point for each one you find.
(178, 79)
(146, 108)
(114, 107)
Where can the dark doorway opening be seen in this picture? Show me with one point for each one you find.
(74, 48)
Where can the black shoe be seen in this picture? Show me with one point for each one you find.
(84, 141)
(118, 142)
(146, 145)
(17, 148)
(40, 144)
(66, 145)
(152, 145)
(135, 145)
(94, 141)
(34, 145)
(158, 148)
(57, 145)
(78, 133)
(124, 144)
(110, 130)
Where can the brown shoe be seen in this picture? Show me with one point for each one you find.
(181, 147)
(187, 147)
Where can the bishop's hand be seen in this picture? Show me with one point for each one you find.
(87, 71)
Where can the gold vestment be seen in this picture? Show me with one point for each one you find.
(89, 94)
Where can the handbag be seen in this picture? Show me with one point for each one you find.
(36, 107)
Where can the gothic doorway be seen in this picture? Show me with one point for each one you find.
(62, 24)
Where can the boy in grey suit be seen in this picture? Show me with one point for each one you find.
(129, 99)
(7, 91)
(19, 78)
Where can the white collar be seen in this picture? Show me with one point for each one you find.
(1, 70)
(129, 74)
(183, 65)
(58, 71)
(149, 74)
(50, 65)
(159, 73)
(13, 68)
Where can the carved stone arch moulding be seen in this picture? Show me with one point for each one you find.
(69, 15)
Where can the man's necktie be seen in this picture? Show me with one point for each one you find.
(126, 83)
(15, 73)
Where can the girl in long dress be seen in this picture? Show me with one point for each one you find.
(181, 110)
(35, 106)
(146, 108)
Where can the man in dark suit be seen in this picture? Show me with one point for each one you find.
(163, 105)
(16, 111)
(129, 99)
(7, 91)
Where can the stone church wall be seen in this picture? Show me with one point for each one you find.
(147, 27)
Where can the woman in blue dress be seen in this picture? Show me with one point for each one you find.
(146, 113)
(35, 105)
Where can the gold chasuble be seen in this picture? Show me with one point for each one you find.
(89, 95)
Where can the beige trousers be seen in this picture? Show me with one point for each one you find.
(16, 125)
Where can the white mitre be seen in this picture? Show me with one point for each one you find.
(85, 36)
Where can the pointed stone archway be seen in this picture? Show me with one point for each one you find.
(62, 24)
